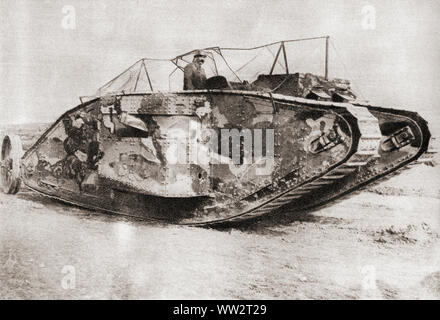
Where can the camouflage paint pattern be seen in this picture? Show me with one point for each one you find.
(164, 155)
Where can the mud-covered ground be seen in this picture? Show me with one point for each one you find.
(382, 243)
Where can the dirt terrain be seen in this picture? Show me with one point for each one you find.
(382, 243)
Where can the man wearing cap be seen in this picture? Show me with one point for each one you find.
(194, 75)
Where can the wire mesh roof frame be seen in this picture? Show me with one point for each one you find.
(142, 63)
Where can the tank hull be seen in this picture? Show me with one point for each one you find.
(207, 157)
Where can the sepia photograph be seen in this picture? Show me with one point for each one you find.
(232, 150)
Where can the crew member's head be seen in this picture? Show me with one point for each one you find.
(199, 57)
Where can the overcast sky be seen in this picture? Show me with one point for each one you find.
(44, 67)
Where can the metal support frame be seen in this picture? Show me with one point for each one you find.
(211, 56)
(137, 78)
(148, 76)
(286, 66)
(276, 59)
(326, 57)
(139, 75)
(285, 57)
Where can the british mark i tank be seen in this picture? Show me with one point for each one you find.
(256, 138)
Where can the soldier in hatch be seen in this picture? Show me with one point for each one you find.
(194, 75)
